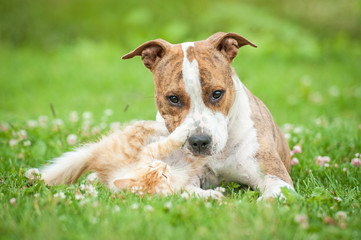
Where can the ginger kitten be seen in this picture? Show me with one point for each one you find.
(134, 158)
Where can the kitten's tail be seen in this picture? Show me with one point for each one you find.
(68, 167)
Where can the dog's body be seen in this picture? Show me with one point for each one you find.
(194, 82)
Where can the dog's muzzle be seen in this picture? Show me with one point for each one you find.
(200, 144)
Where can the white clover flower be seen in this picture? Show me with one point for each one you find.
(291, 153)
(103, 125)
(318, 121)
(87, 115)
(294, 161)
(22, 134)
(134, 206)
(32, 174)
(134, 189)
(13, 142)
(321, 161)
(73, 117)
(356, 162)
(93, 220)
(341, 215)
(287, 127)
(357, 155)
(83, 201)
(168, 205)
(95, 130)
(116, 208)
(91, 178)
(115, 126)
(297, 149)
(58, 122)
(336, 165)
(334, 91)
(71, 139)
(4, 127)
(337, 199)
(148, 208)
(32, 123)
(344, 169)
(59, 195)
(185, 195)
(208, 205)
(306, 80)
(78, 195)
(108, 112)
(85, 128)
(13, 201)
(302, 220)
(287, 136)
(43, 120)
(27, 143)
(298, 130)
(316, 98)
(92, 191)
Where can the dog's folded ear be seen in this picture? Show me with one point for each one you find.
(229, 43)
(150, 52)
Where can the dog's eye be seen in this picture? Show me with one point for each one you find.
(217, 95)
(174, 100)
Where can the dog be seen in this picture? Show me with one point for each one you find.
(233, 129)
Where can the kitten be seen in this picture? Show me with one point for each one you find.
(135, 158)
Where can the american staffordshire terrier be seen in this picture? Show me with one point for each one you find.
(232, 128)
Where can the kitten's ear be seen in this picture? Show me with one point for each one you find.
(123, 183)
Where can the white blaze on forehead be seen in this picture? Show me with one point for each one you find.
(191, 77)
(200, 117)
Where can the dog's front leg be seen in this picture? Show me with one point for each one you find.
(271, 187)
(275, 176)
(193, 189)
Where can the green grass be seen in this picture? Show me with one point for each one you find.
(323, 192)
(306, 70)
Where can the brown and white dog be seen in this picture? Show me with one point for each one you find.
(232, 128)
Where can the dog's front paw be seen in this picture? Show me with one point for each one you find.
(191, 191)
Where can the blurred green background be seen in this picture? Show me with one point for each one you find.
(68, 53)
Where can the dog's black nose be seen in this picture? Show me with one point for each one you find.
(199, 143)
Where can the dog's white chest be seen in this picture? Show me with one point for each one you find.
(237, 162)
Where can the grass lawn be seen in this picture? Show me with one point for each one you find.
(308, 76)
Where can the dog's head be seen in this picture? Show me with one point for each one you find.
(194, 86)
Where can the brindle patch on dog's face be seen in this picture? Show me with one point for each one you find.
(168, 81)
(215, 74)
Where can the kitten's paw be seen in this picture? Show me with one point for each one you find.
(180, 134)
